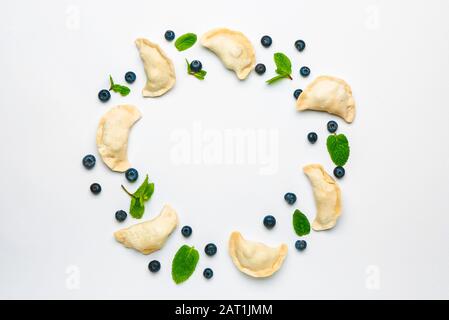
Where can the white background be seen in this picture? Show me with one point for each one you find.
(392, 240)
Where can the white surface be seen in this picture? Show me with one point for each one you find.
(392, 240)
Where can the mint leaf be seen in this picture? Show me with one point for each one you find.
(283, 68)
(139, 197)
(300, 223)
(123, 90)
(199, 75)
(184, 263)
(283, 63)
(276, 79)
(338, 148)
(185, 41)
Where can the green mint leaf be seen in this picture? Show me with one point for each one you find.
(338, 148)
(123, 90)
(185, 41)
(283, 64)
(139, 197)
(137, 208)
(301, 224)
(184, 263)
(276, 78)
(189, 71)
(200, 74)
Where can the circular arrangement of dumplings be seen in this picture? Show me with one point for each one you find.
(256, 259)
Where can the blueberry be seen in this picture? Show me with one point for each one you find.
(196, 66)
(297, 93)
(208, 273)
(186, 231)
(169, 35)
(300, 245)
(154, 266)
(121, 215)
(266, 41)
(131, 174)
(260, 68)
(89, 161)
(339, 172)
(300, 45)
(332, 126)
(269, 222)
(290, 198)
(95, 188)
(312, 137)
(104, 95)
(130, 77)
(210, 249)
(304, 71)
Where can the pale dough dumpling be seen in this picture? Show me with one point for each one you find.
(233, 48)
(327, 197)
(328, 94)
(158, 67)
(254, 258)
(149, 236)
(112, 136)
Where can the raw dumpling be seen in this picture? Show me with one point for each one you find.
(254, 258)
(151, 235)
(112, 136)
(328, 94)
(158, 68)
(327, 197)
(233, 48)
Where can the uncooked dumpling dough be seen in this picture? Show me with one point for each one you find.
(254, 258)
(112, 136)
(158, 68)
(151, 235)
(233, 48)
(328, 94)
(327, 197)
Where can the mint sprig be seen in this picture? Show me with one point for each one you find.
(184, 263)
(283, 68)
(123, 90)
(199, 75)
(185, 41)
(139, 197)
(301, 224)
(338, 148)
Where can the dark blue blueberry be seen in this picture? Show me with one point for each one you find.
(95, 188)
(312, 137)
(210, 249)
(121, 215)
(339, 172)
(196, 66)
(266, 41)
(89, 161)
(208, 273)
(130, 77)
(104, 95)
(269, 222)
(169, 35)
(300, 245)
(290, 198)
(260, 68)
(332, 126)
(186, 231)
(297, 93)
(304, 71)
(154, 266)
(300, 45)
(131, 174)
